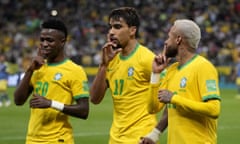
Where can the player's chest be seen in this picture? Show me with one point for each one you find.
(181, 79)
(52, 75)
(125, 70)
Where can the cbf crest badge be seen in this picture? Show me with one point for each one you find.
(130, 71)
(57, 76)
(183, 82)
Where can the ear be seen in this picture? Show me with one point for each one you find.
(133, 30)
(63, 41)
(179, 39)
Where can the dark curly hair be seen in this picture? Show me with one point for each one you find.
(129, 14)
(55, 24)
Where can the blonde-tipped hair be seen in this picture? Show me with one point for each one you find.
(190, 30)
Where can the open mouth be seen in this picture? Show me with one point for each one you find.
(114, 40)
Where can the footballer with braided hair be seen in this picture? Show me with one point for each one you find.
(53, 82)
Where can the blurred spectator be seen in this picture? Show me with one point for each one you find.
(3, 82)
(86, 19)
(236, 75)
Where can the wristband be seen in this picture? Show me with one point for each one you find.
(154, 135)
(57, 105)
(155, 78)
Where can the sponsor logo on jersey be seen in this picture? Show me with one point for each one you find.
(211, 85)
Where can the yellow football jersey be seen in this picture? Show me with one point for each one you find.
(128, 79)
(197, 81)
(61, 82)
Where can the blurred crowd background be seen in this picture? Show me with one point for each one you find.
(87, 25)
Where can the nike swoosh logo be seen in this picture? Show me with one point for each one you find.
(109, 70)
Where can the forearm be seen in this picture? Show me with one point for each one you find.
(158, 130)
(154, 105)
(99, 86)
(80, 110)
(210, 108)
(163, 123)
(24, 89)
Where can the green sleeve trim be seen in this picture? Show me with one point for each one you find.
(81, 96)
(211, 97)
(163, 74)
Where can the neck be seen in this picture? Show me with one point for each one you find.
(57, 59)
(185, 56)
(129, 47)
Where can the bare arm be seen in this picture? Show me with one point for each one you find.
(80, 109)
(154, 105)
(153, 136)
(99, 86)
(163, 123)
(24, 89)
(160, 62)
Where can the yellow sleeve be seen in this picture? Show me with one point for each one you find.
(154, 105)
(210, 108)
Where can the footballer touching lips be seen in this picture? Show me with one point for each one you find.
(119, 32)
(116, 42)
(50, 43)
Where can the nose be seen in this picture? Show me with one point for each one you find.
(44, 43)
(110, 36)
(111, 31)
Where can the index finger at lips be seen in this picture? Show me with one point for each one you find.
(108, 44)
(39, 52)
(108, 37)
(159, 59)
(164, 50)
(164, 53)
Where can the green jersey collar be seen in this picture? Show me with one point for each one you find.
(132, 52)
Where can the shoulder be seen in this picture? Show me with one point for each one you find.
(202, 65)
(173, 66)
(69, 63)
(145, 53)
(202, 61)
(145, 56)
(145, 49)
